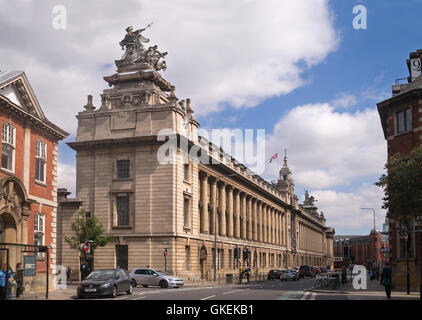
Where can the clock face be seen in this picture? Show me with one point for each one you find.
(415, 68)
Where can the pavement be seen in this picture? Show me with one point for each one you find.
(374, 291)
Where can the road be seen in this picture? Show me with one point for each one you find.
(267, 290)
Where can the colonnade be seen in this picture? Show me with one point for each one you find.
(233, 212)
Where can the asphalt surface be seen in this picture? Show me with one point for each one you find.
(266, 290)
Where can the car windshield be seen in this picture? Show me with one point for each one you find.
(161, 273)
(100, 274)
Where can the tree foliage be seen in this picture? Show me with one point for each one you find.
(87, 228)
(402, 184)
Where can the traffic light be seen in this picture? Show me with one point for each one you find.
(236, 253)
(245, 254)
(346, 252)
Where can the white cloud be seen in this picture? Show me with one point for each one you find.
(328, 148)
(343, 209)
(238, 52)
(67, 178)
(344, 100)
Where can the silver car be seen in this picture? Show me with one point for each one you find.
(150, 277)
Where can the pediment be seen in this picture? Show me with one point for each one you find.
(15, 87)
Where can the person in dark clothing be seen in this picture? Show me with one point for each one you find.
(19, 279)
(386, 279)
(68, 274)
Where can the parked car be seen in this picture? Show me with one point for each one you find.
(104, 282)
(306, 271)
(150, 277)
(274, 274)
(289, 274)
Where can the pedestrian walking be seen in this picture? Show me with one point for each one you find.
(371, 274)
(19, 279)
(3, 282)
(68, 274)
(386, 279)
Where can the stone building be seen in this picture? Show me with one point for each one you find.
(28, 178)
(401, 120)
(191, 207)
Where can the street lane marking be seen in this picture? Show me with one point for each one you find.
(313, 296)
(142, 297)
(208, 297)
(305, 295)
(234, 291)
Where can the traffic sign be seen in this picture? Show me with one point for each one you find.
(87, 247)
(385, 250)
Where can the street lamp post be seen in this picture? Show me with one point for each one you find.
(406, 233)
(375, 239)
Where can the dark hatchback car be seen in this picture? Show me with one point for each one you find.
(105, 282)
(306, 271)
(274, 274)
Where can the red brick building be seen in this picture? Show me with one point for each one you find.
(362, 249)
(28, 175)
(401, 119)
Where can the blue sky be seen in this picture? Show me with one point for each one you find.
(327, 78)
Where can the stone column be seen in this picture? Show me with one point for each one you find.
(277, 228)
(243, 213)
(255, 220)
(204, 202)
(272, 226)
(213, 204)
(249, 212)
(260, 221)
(237, 214)
(230, 212)
(222, 208)
(264, 222)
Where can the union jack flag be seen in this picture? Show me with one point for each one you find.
(274, 157)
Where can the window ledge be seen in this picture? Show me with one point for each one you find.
(122, 179)
(7, 171)
(121, 227)
(187, 181)
(186, 229)
(40, 183)
(402, 133)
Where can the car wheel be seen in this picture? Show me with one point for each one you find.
(114, 291)
(163, 284)
(130, 289)
(134, 284)
(145, 286)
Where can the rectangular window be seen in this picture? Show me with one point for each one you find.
(40, 160)
(403, 120)
(186, 210)
(187, 249)
(8, 146)
(39, 230)
(123, 211)
(186, 172)
(123, 169)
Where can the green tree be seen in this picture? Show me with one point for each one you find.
(87, 228)
(402, 184)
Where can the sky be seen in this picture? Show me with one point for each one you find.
(298, 69)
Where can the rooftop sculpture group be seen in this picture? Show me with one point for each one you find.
(136, 52)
